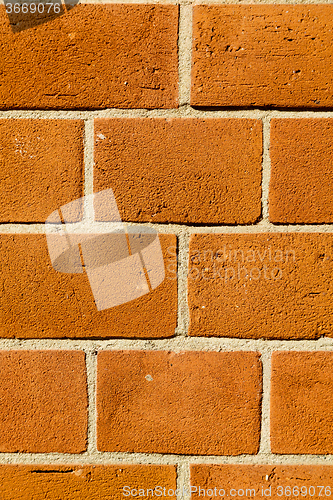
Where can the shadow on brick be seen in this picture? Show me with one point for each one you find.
(25, 15)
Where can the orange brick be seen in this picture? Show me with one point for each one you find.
(262, 55)
(301, 171)
(78, 482)
(39, 302)
(43, 401)
(271, 481)
(301, 403)
(200, 403)
(274, 286)
(98, 56)
(181, 170)
(41, 167)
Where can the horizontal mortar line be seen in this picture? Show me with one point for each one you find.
(184, 111)
(171, 228)
(106, 2)
(177, 344)
(240, 2)
(166, 2)
(198, 2)
(261, 227)
(115, 458)
(88, 226)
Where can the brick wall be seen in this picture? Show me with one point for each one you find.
(213, 125)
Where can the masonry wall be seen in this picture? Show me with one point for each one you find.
(212, 124)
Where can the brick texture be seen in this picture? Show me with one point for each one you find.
(41, 167)
(95, 114)
(200, 403)
(261, 481)
(301, 403)
(274, 286)
(98, 56)
(78, 482)
(181, 170)
(43, 398)
(301, 171)
(262, 55)
(39, 302)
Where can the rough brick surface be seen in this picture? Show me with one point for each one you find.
(261, 481)
(78, 482)
(301, 403)
(181, 170)
(263, 55)
(41, 167)
(301, 171)
(98, 56)
(43, 398)
(275, 286)
(38, 301)
(204, 403)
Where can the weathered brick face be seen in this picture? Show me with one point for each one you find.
(301, 175)
(177, 159)
(242, 285)
(158, 167)
(147, 401)
(41, 164)
(98, 56)
(262, 55)
(44, 401)
(301, 402)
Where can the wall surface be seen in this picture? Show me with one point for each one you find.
(212, 123)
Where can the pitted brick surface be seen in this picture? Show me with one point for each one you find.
(262, 55)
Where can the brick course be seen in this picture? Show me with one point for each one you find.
(243, 285)
(301, 403)
(98, 56)
(301, 171)
(39, 302)
(262, 55)
(158, 167)
(193, 403)
(41, 167)
(43, 401)
(76, 482)
(273, 481)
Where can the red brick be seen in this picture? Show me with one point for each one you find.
(273, 285)
(181, 170)
(301, 171)
(262, 55)
(200, 403)
(78, 482)
(98, 56)
(41, 167)
(43, 401)
(301, 403)
(275, 480)
(39, 302)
